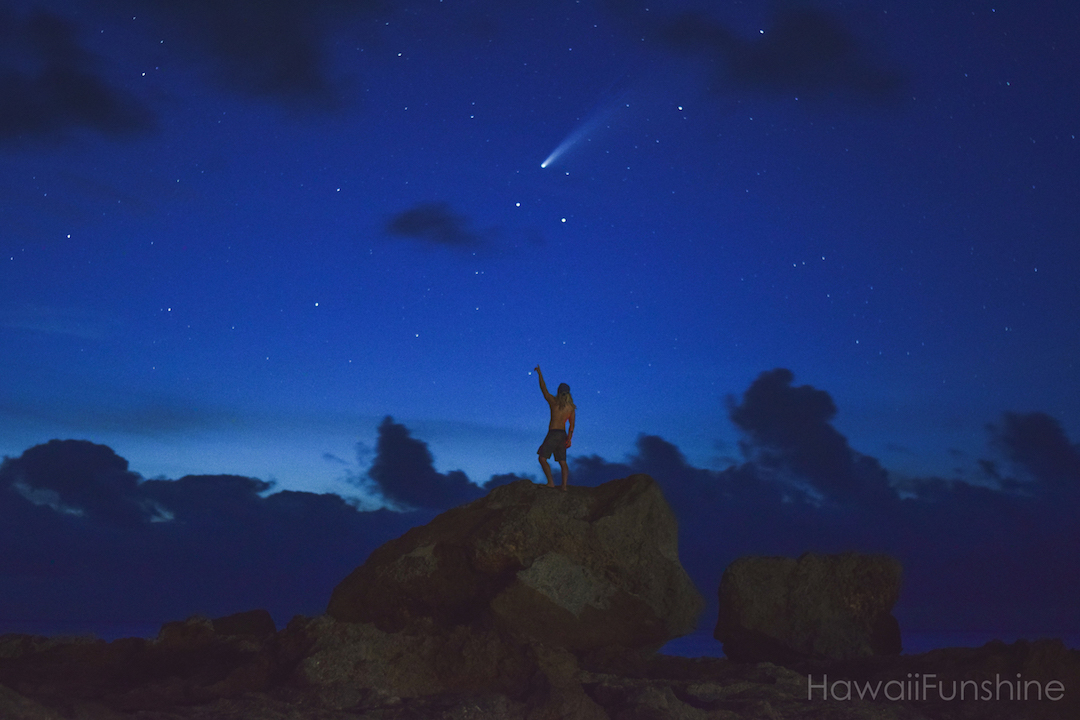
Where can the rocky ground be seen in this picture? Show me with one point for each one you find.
(529, 604)
(323, 669)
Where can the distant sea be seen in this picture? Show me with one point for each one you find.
(698, 644)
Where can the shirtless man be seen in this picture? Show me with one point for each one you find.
(557, 440)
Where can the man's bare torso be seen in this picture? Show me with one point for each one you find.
(559, 414)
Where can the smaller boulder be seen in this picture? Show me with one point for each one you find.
(835, 607)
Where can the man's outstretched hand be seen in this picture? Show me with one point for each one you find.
(537, 368)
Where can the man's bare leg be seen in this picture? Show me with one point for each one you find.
(565, 473)
(547, 472)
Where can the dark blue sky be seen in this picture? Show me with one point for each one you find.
(235, 235)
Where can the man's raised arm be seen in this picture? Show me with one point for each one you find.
(543, 386)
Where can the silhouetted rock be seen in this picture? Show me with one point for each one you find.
(587, 569)
(188, 664)
(253, 623)
(820, 606)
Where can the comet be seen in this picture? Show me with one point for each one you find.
(572, 139)
(594, 120)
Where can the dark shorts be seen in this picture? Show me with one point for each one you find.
(555, 442)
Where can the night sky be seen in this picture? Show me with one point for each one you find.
(812, 265)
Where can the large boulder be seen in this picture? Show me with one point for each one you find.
(586, 569)
(833, 607)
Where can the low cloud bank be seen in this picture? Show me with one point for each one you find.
(1001, 555)
(84, 538)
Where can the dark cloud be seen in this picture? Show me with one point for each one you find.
(84, 538)
(185, 499)
(404, 472)
(265, 47)
(48, 83)
(788, 428)
(433, 223)
(268, 48)
(806, 52)
(76, 477)
(1036, 443)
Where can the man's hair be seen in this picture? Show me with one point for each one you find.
(564, 396)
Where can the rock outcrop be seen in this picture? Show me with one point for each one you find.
(523, 571)
(783, 610)
(189, 663)
(585, 570)
(322, 669)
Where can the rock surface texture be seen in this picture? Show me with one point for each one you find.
(584, 570)
(783, 610)
(322, 669)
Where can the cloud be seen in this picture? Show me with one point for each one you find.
(75, 522)
(788, 428)
(48, 83)
(806, 52)
(79, 477)
(433, 223)
(404, 473)
(332, 458)
(271, 48)
(1036, 443)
